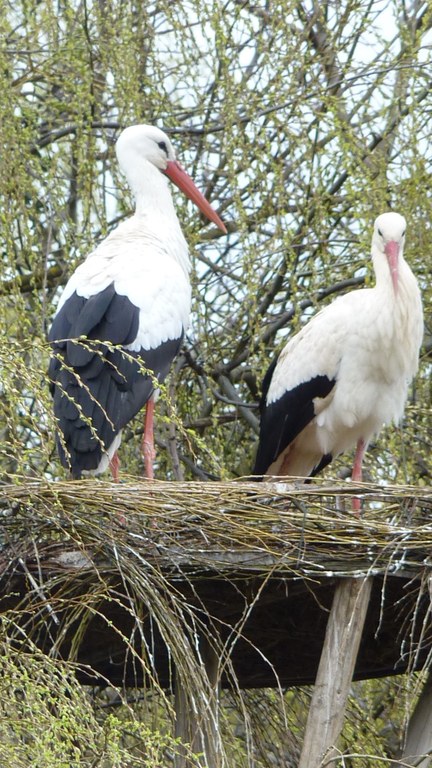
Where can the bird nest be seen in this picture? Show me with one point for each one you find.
(226, 527)
(124, 579)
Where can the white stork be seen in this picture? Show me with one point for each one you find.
(132, 292)
(347, 372)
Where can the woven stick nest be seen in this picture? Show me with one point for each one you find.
(224, 527)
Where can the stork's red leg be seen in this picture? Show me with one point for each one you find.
(357, 472)
(114, 467)
(148, 449)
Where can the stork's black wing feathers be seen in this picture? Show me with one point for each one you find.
(98, 389)
(105, 316)
(266, 384)
(284, 419)
(325, 461)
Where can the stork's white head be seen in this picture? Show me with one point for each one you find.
(139, 145)
(388, 239)
(145, 142)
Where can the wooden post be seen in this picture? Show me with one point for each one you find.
(212, 731)
(199, 725)
(183, 726)
(335, 671)
(419, 735)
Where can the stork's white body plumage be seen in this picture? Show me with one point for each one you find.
(132, 292)
(132, 259)
(347, 372)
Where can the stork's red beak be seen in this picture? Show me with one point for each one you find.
(391, 250)
(183, 181)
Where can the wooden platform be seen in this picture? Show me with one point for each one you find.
(279, 644)
(255, 570)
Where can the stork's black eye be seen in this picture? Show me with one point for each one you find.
(380, 233)
(163, 145)
(403, 233)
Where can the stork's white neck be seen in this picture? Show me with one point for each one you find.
(154, 209)
(399, 314)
